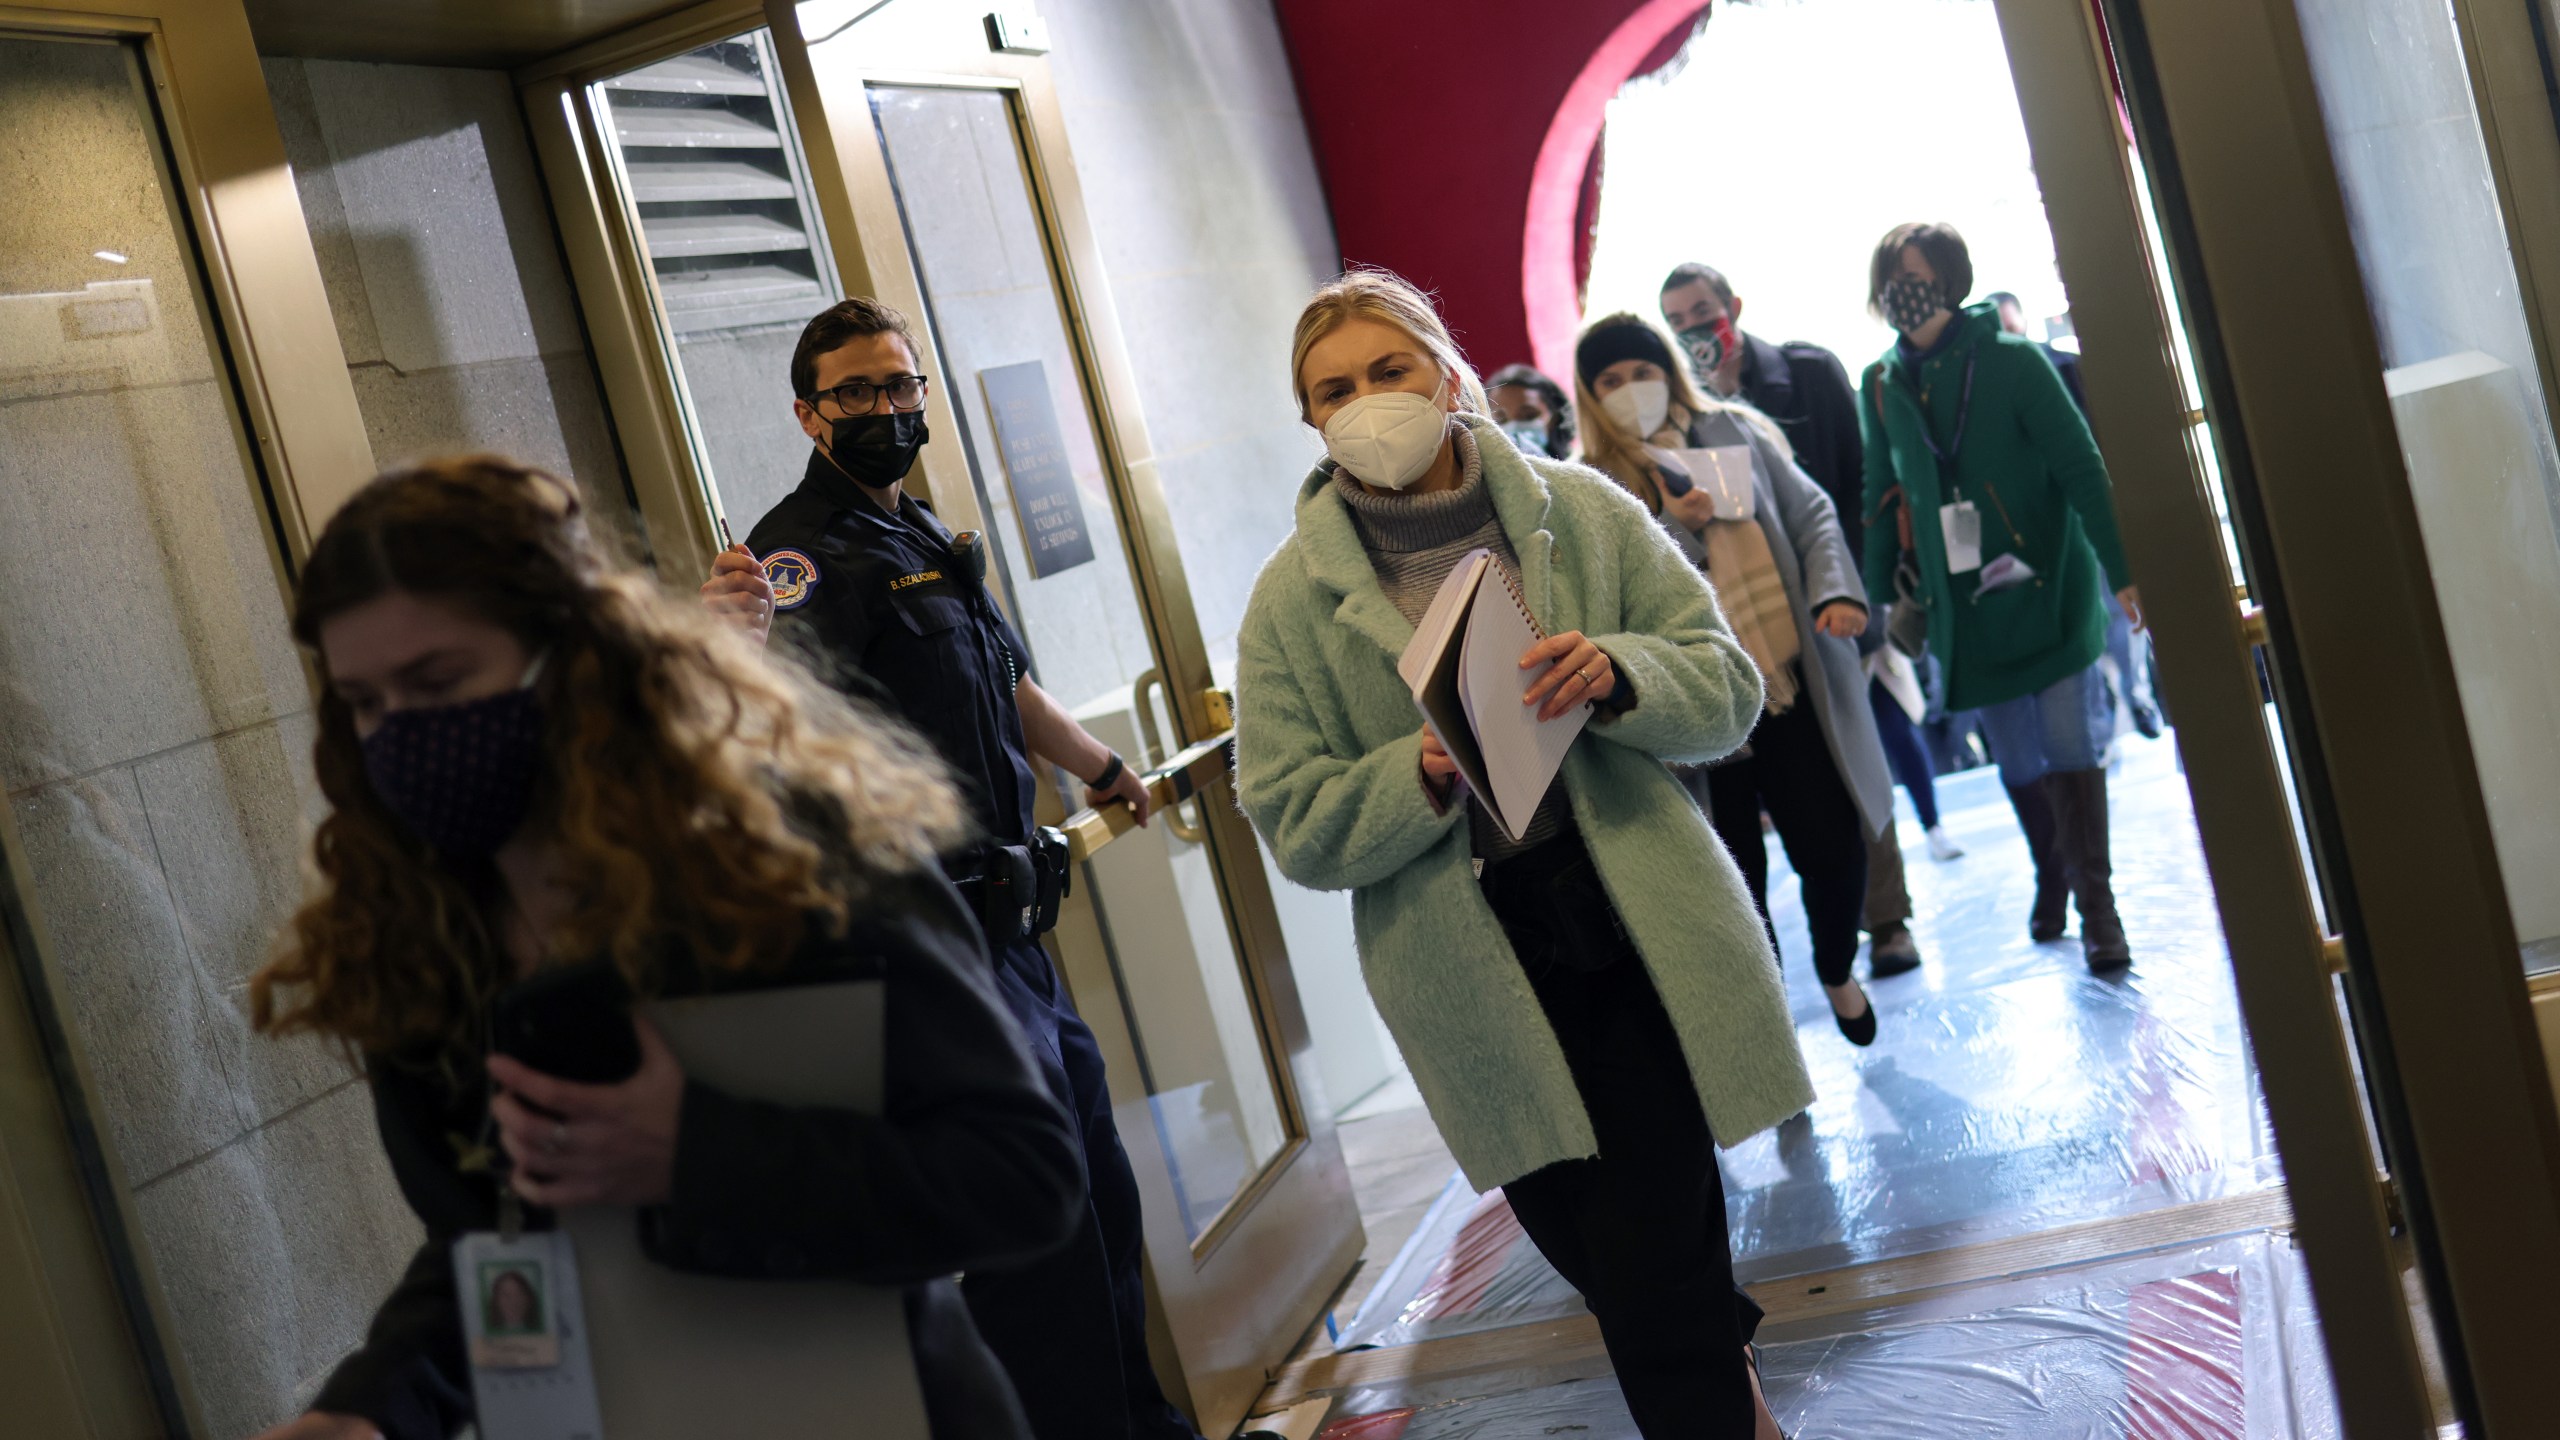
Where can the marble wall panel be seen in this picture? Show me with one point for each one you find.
(163, 1054)
(741, 386)
(139, 606)
(445, 211)
(231, 816)
(272, 1254)
(542, 410)
(324, 212)
(86, 206)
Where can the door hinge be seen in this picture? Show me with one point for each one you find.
(2253, 625)
(2333, 954)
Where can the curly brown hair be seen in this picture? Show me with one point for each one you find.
(708, 803)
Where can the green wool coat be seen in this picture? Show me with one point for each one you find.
(1328, 765)
(2030, 467)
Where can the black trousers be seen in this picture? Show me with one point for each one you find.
(1071, 1327)
(1639, 1230)
(1790, 774)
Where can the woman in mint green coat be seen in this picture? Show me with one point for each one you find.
(1591, 1007)
(1985, 490)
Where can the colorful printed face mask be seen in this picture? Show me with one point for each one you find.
(1708, 345)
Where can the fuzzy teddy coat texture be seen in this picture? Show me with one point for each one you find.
(1328, 766)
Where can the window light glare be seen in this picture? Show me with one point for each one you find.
(112, 257)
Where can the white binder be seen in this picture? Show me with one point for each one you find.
(684, 1357)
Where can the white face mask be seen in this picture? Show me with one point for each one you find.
(1639, 406)
(1387, 440)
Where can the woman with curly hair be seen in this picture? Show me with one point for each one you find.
(532, 761)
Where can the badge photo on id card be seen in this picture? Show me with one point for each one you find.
(532, 1377)
(1961, 525)
(516, 1331)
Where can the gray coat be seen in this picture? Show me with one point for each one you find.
(1814, 562)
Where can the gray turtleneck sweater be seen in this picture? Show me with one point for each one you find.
(1414, 541)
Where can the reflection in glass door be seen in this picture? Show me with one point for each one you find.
(1012, 375)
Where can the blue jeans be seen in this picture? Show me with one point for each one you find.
(1905, 753)
(2064, 726)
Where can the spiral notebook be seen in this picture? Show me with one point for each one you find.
(1464, 670)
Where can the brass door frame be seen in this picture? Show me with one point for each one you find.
(1223, 1361)
(2173, 537)
(74, 1268)
(2222, 96)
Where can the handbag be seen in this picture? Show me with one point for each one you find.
(1906, 622)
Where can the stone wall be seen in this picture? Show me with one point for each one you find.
(443, 269)
(1213, 228)
(154, 738)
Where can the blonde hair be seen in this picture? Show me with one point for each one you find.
(1383, 296)
(1607, 445)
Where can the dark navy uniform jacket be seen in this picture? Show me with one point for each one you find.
(876, 600)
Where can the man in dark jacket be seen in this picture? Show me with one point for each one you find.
(1806, 390)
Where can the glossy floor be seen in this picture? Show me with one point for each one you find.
(2009, 1091)
(2210, 1342)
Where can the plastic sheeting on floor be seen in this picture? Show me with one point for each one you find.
(2212, 1342)
(2009, 1091)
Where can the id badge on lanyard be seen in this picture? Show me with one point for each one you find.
(526, 1331)
(1961, 526)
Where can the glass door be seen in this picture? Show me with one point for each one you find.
(714, 186)
(2336, 220)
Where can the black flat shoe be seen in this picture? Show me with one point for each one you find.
(1860, 1032)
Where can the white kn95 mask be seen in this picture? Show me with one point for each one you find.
(1387, 440)
(1639, 405)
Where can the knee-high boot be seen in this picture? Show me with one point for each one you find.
(2080, 807)
(2034, 803)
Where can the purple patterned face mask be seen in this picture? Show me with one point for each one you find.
(461, 777)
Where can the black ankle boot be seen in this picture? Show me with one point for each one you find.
(2034, 804)
(2080, 810)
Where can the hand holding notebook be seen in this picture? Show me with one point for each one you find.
(1464, 669)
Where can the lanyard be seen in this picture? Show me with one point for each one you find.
(1964, 412)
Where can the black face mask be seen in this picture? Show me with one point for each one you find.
(879, 450)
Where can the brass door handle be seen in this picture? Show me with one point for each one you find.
(1178, 780)
(1193, 831)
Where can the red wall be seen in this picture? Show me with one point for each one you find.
(1454, 136)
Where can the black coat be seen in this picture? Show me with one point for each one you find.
(1806, 390)
(970, 1164)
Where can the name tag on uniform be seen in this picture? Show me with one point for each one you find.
(1961, 524)
(526, 1332)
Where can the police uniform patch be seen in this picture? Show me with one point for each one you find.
(793, 576)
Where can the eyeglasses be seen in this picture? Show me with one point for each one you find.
(855, 397)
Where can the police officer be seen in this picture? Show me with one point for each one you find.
(869, 583)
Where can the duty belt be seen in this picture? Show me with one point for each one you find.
(1016, 889)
